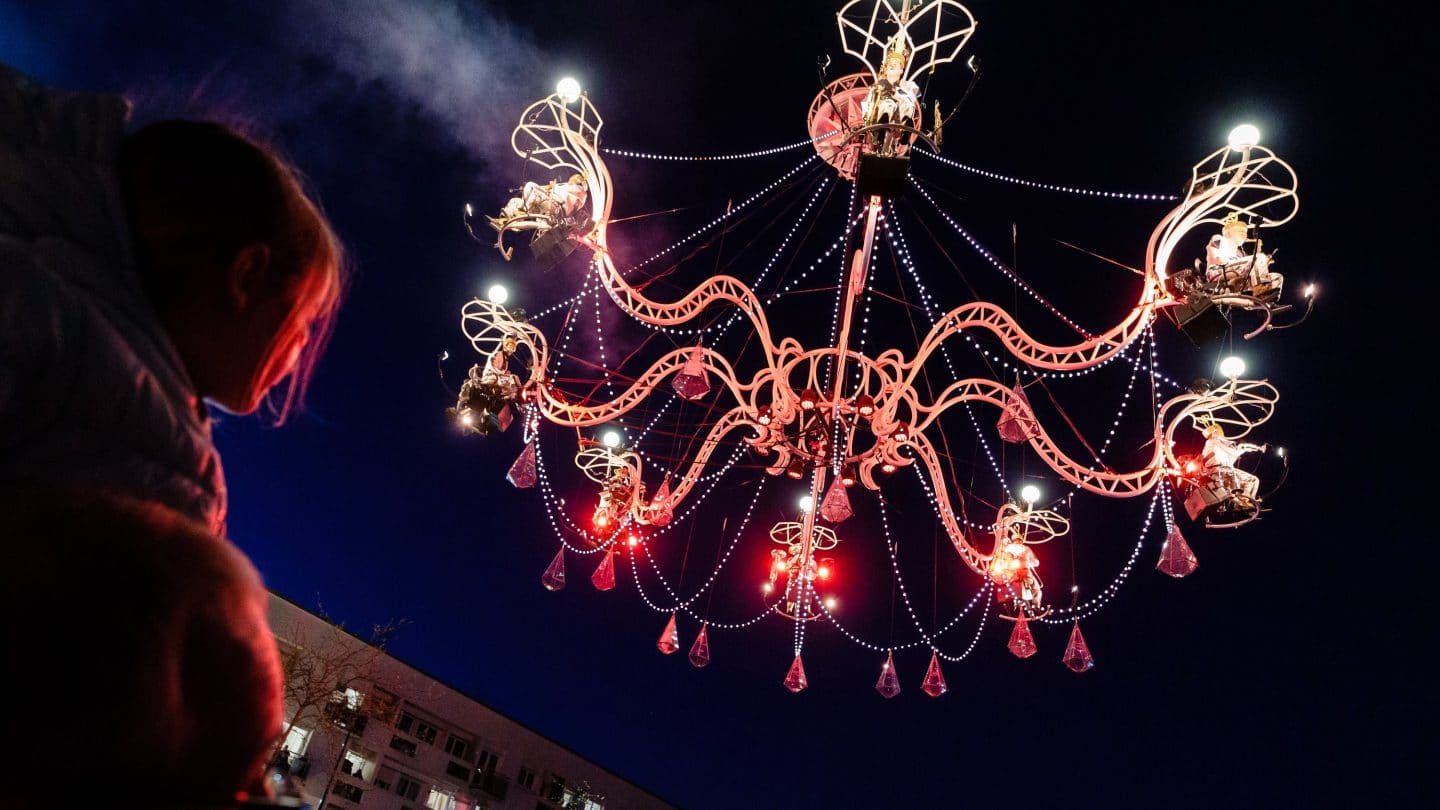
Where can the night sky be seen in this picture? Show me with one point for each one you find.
(1283, 671)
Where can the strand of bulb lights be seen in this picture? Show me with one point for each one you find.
(892, 546)
(979, 598)
(738, 156)
(1091, 607)
(1086, 192)
(682, 604)
(640, 589)
(999, 265)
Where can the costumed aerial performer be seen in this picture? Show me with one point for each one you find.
(1228, 265)
(893, 99)
(1219, 458)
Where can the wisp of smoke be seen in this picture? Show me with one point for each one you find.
(466, 69)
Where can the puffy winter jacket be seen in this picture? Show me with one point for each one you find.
(92, 391)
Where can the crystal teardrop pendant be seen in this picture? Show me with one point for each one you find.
(1077, 652)
(700, 650)
(522, 472)
(554, 577)
(1176, 558)
(795, 678)
(693, 382)
(889, 683)
(934, 684)
(836, 505)
(669, 640)
(1022, 644)
(604, 576)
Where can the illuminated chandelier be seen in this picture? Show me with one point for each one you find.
(847, 416)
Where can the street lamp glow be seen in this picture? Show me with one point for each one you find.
(1030, 493)
(568, 89)
(1244, 137)
(1232, 367)
(806, 503)
(610, 439)
(497, 294)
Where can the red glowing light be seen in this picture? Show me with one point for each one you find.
(824, 572)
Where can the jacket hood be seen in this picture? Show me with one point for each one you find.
(57, 166)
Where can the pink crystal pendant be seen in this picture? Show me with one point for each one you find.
(934, 684)
(669, 640)
(1017, 422)
(889, 683)
(1176, 558)
(693, 382)
(1077, 654)
(604, 576)
(554, 578)
(700, 650)
(795, 678)
(1022, 644)
(522, 472)
(836, 505)
(663, 513)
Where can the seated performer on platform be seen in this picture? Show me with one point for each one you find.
(487, 394)
(1219, 458)
(892, 99)
(1229, 266)
(542, 207)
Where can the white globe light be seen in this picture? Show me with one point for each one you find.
(568, 89)
(610, 439)
(806, 502)
(1232, 367)
(497, 294)
(830, 603)
(1244, 137)
(1030, 493)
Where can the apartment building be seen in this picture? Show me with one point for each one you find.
(386, 736)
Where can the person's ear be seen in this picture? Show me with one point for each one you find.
(247, 278)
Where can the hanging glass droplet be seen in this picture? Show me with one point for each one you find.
(693, 381)
(836, 505)
(934, 684)
(1077, 653)
(1017, 421)
(604, 576)
(663, 511)
(1176, 558)
(1022, 644)
(554, 578)
(795, 678)
(889, 683)
(700, 650)
(669, 640)
(522, 472)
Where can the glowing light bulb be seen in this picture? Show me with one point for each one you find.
(468, 419)
(824, 571)
(767, 587)
(633, 541)
(568, 90)
(1232, 367)
(806, 503)
(1280, 451)
(497, 294)
(610, 439)
(1309, 290)
(1244, 137)
(1030, 493)
(830, 603)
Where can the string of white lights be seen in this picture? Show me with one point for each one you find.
(892, 545)
(683, 604)
(999, 265)
(1085, 192)
(640, 589)
(738, 156)
(1089, 608)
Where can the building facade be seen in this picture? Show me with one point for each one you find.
(366, 731)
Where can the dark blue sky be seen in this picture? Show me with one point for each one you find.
(1277, 673)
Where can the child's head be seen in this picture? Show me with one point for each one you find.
(153, 650)
(240, 264)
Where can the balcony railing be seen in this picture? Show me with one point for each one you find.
(491, 784)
